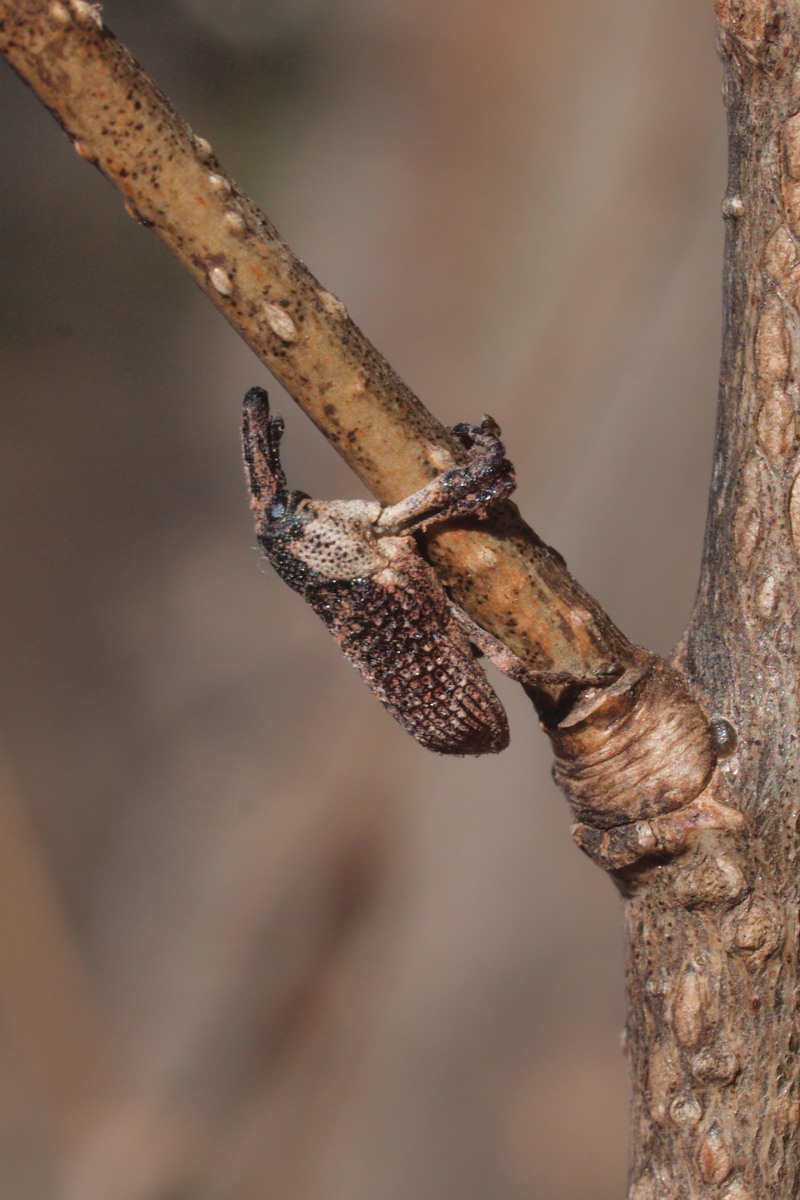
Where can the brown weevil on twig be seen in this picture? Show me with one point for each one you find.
(358, 566)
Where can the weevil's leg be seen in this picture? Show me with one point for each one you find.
(261, 438)
(497, 653)
(487, 434)
(467, 490)
(507, 662)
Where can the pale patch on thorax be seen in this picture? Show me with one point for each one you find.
(338, 540)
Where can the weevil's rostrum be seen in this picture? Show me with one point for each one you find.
(359, 568)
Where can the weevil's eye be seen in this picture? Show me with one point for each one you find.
(723, 737)
(286, 505)
(277, 508)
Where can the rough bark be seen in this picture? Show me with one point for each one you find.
(712, 933)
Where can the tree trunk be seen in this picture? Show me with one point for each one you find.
(712, 934)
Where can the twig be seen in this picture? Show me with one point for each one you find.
(117, 118)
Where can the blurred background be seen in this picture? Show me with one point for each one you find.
(254, 941)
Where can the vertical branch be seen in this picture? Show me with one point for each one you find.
(712, 935)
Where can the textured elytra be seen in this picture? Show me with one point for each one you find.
(396, 630)
(361, 571)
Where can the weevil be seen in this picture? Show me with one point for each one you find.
(359, 567)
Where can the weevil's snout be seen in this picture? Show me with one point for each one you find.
(256, 417)
(261, 439)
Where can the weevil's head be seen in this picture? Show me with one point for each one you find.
(282, 514)
(310, 542)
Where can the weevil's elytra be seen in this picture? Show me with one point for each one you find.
(359, 568)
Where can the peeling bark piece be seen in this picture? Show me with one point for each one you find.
(660, 837)
(638, 748)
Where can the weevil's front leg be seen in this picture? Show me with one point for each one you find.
(467, 490)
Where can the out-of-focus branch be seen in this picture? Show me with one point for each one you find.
(50, 1013)
(119, 120)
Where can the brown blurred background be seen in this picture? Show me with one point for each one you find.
(254, 942)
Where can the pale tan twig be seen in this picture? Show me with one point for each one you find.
(119, 120)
